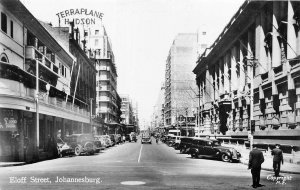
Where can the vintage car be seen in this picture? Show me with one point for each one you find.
(113, 139)
(102, 142)
(133, 136)
(185, 145)
(203, 147)
(177, 142)
(82, 143)
(63, 149)
(146, 139)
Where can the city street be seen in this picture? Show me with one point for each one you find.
(136, 166)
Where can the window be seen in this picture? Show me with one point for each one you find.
(203, 33)
(11, 29)
(96, 42)
(96, 32)
(4, 22)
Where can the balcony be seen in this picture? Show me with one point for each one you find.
(33, 54)
(19, 84)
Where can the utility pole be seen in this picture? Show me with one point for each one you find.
(186, 114)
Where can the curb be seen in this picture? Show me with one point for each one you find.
(12, 164)
(269, 169)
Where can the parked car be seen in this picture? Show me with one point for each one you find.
(212, 148)
(185, 144)
(102, 141)
(63, 148)
(177, 142)
(107, 140)
(98, 144)
(113, 140)
(127, 137)
(81, 143)
(118, 138)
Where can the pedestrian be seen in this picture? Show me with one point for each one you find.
(256, 158)
(277, 159)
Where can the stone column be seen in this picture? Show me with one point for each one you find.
(226, 74)
(242, 78)
(221, 76)
(276, 50)
(260, 51)
(217, 81)
(234, 77)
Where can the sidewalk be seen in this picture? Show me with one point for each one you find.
(7, 164)
(268, 163)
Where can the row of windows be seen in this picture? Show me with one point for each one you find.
(4, 24)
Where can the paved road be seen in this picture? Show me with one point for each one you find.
(148, 166)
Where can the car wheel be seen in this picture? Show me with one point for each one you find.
(77, 151)
(225, 158)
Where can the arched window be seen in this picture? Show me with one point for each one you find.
(4, 58)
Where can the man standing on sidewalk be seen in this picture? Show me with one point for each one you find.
(277, 159)
(256, 158)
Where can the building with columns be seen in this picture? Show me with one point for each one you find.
(180, 98)
(251, 73)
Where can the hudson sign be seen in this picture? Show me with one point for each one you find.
(81, 16)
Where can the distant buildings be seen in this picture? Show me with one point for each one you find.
(129, 116)
(158, 112)
(180, 88)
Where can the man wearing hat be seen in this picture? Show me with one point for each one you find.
(277, 159)
(256, 158)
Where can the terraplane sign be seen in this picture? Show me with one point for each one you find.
(80, 16)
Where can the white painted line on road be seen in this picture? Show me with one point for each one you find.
(140, 154)
(133, 183)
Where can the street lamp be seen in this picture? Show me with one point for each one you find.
(37, 94)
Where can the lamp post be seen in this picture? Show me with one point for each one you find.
(91, 114)
(251, 62)
(37, 124)
(186, 114)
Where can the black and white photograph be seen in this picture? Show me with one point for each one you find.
(149, 94)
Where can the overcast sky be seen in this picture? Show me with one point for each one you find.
(142, 32)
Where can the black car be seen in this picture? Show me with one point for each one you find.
(82, 143)
(212, 148)
(185, 145)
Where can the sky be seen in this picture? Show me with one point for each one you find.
(142, 32)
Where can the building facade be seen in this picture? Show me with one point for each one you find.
(249, 77)
(36, 88)
(180, 88)
(158, 112)
(129, 116)
(108, 101)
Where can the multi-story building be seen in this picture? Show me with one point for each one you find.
(158, 112)
(180, 89)
(36, 99)
(251, 73)
(99, 48)
(128, 117)
(136, 123)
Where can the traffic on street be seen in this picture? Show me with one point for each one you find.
(133, 165)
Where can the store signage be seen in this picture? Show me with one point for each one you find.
(8, 120)
(80, 16)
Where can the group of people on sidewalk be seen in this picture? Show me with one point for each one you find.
(256, 158)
